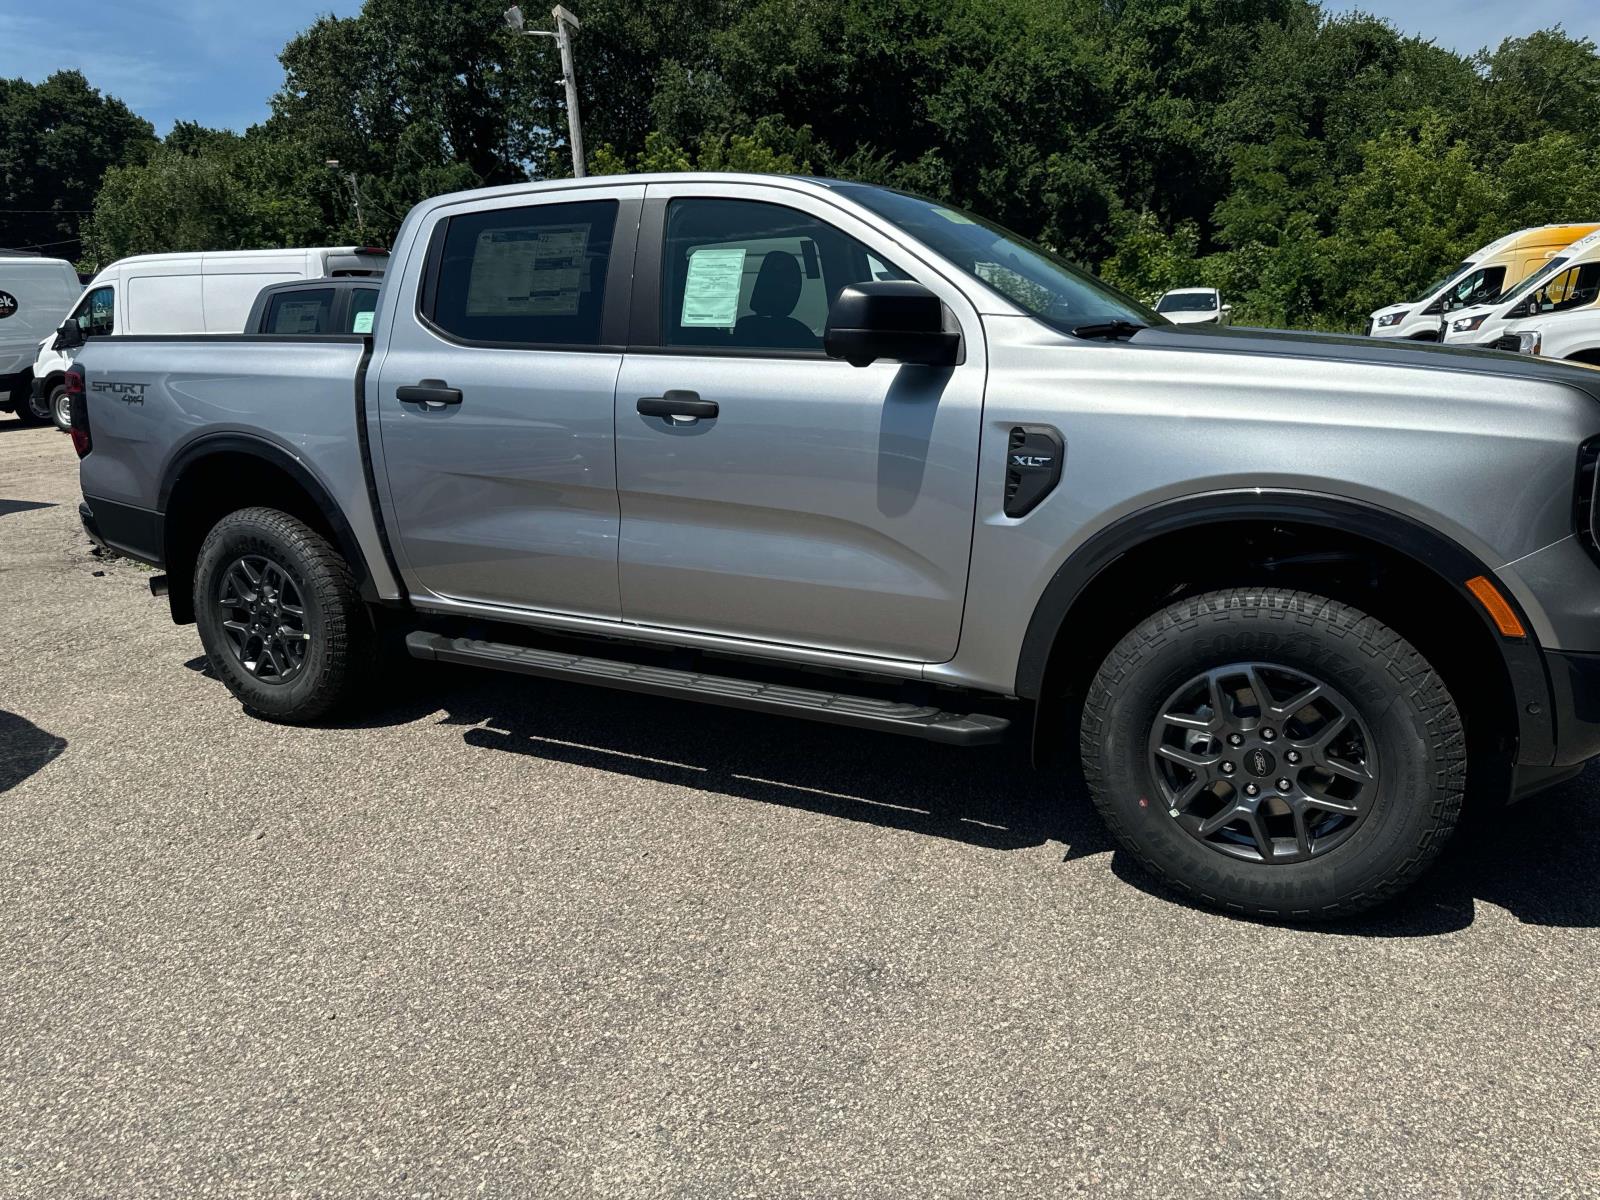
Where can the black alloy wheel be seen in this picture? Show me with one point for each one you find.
(263, 615)
(1263, 762)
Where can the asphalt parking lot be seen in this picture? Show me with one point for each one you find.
(505, 937)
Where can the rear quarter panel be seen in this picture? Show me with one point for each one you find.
(149, 400)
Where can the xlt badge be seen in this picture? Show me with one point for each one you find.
(1033, 467)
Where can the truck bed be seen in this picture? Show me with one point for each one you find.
(152, 400)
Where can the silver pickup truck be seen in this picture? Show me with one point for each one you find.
(830, 451)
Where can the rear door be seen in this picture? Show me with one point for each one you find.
(495, 399)
(824, 505)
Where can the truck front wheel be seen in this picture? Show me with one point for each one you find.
(1274, 753)
(279, 616)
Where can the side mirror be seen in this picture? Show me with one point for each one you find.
(894, 319)
(69, 336)
(1227, 308)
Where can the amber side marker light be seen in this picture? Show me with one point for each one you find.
(1494, 603)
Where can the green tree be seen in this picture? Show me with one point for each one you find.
(208, 189)
(57, 140)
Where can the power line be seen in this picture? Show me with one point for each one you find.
(47, 245)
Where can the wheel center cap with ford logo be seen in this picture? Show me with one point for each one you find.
(1260, 763)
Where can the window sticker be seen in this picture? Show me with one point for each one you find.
(534, 271)
(950, 214)
(363, 323)
(299, 316)
(711, 290)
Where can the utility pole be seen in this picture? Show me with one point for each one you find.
(565, 24)
(355, 192)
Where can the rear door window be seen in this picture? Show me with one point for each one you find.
(309, 311)
(530, 276)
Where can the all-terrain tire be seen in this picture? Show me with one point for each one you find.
(339, 659)
(1414, 725)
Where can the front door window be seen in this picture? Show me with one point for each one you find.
(745, 277)
(96, 313)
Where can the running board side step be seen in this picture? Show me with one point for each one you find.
(838, 708)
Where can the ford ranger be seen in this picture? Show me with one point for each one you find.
(831, 451)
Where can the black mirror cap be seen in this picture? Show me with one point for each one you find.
(69, 336)
(894, 319)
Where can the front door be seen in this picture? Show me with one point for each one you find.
(823, 505)
(495, 401)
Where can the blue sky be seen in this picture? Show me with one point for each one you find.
(215, 61)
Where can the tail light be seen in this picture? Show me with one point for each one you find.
(78, 402)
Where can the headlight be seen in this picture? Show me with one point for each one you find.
(1529, 342)
(1468, 324)
(1390, 320)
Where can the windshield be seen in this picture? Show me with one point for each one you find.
(1443, 282)
(1034, 279)
(1531, 282)
(1187, 302)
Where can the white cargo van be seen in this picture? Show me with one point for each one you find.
(1478, 279)
(1547, 290)
(35, 294)
(209, 292)
(1560, 318)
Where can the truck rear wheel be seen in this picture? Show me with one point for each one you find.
(1274, 753)
(280, 619)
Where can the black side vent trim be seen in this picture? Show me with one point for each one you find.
(1033, 467)
(1585, 519)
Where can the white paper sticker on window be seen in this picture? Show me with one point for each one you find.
(299, 316)
(711, 291)
(534, 271)
(362, 324)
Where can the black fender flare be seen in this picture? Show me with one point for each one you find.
(1440, 554)
(211, 444)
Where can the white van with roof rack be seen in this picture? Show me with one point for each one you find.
(35, 294)
(207, 292)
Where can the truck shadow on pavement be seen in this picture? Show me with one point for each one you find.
(7, 507)
(24, 749)
(1534, 860)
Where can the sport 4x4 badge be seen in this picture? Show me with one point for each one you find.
(128, 393)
